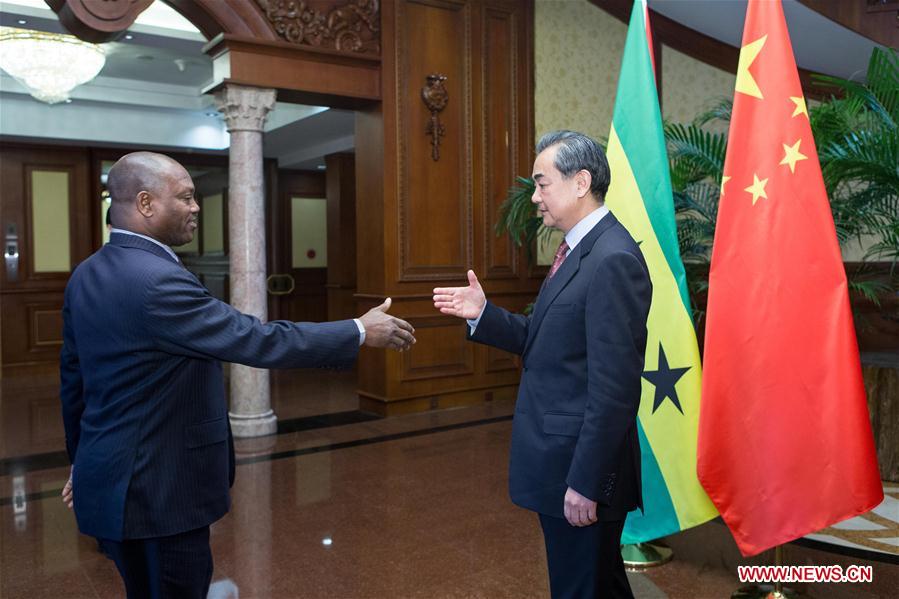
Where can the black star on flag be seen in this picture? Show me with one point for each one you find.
(664, 380)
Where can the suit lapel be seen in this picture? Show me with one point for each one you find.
(552, 287)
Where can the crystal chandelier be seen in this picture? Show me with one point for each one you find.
(49, 65)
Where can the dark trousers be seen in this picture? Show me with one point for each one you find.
(179, 566)
(585, 562)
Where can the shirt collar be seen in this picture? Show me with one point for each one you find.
(580, 230)
(162, 245)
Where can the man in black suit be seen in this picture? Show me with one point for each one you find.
(575, 455)
(142, 391)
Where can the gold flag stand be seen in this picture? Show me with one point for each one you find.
(639, 556)
(766, 590)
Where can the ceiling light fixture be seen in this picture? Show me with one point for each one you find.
(49, 65)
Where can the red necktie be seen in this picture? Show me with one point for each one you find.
(559, 258)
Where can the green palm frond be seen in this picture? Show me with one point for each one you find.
(858, 148)
(880, 94)
(831, 120)
(719, 111)
(518, 217)
(871, 290)
(888, 248)
(868, 156)
(695, 153)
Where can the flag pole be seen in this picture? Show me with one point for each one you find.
(640, 556)
(766, 590)
(778, 585)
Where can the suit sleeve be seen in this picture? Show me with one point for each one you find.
(502, 329)
(186, 320)
(71, 389)
(616, 313)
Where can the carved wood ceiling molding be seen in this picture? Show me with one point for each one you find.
(349, 26)
(98, 22)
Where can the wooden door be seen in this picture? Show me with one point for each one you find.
(298, 264)
(45, 215)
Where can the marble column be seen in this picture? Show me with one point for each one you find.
(254, 543)
(245, 109)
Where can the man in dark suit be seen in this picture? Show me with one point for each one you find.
(575, 455)
(142, 391)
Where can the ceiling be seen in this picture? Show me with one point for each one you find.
(819, 44)
(158, 68)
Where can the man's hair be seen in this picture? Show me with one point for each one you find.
(136, 172)
(579, 152)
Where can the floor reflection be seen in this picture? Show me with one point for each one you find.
(411, 506)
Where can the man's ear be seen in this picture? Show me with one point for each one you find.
(583, 180)
(144, 203)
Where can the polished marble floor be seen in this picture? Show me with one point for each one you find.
(410, 506)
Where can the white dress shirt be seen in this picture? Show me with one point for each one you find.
(573, 237)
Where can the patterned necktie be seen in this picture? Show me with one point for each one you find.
(559, 258)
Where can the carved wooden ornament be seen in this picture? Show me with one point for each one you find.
(98, 21)
(350, 26)
(435, 97)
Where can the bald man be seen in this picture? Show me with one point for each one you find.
(142, 392)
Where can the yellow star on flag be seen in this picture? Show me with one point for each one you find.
(724, 179)
(800, 106)
(757, 189)
(793, 155)
(745, 82)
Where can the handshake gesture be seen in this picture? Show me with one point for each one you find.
(463, 302)
(383, 330)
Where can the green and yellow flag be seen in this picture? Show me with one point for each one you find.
(640, 197)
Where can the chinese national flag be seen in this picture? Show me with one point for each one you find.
(785, 444)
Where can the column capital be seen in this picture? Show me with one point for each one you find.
(244, 108)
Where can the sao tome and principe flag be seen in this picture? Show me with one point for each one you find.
(785, 444)
(640, 197)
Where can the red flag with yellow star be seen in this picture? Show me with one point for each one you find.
(785, 444)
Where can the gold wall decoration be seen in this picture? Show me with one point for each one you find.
(352, 27)
(435, 97)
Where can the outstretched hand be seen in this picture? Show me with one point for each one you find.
(384, 330)
(464, 302)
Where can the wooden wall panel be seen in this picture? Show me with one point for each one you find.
(32, 327)
(340, 178)
(423, 223)
(499, 116)
(46, 325)
(372, 250)
(434, 196)
(449, 354)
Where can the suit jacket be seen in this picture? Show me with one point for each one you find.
(582, 352)
(142, 391)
